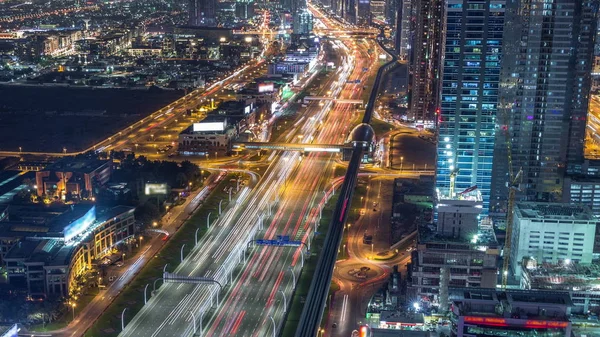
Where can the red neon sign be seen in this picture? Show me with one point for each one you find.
(530, 324)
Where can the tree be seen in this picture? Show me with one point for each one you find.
(147, 212)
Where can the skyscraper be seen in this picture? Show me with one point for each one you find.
(202, 13)
(303, 22)
(402, 24)
(469, 96)
(363, 12)
(545, 93)
(424, 59)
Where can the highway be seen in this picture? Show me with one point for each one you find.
(161, 127)
(257, 293)
(296, 182)
(315, 302)
(169, 313)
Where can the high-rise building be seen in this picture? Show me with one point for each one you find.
(544, 96)
(303, 22)
(202, 13)
(470, 77)
(363, 12)
(378, 9)
(424, 58)
(402, 27)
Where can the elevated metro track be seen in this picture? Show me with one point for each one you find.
(312, 311)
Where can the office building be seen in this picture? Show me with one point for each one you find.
(363, 12)
(9, 330)
(487, 312)
(202, 13)
(469, 94)
(584, 190)
(210, 137)
(303, 22)
(378, 9)
(546, 84)
(47, 250)
(403, 29)
(73, 178)
(552, 233)
(424, 60)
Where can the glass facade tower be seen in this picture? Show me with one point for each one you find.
(472, 35)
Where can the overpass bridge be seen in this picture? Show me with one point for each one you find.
(307, 99)
(240, 146)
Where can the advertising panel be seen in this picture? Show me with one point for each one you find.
(154, 189)
(209, 126)
(266, 87)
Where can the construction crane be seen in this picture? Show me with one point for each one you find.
(514, 182)
(452, 181)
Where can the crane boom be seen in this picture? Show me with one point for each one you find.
(513, 186)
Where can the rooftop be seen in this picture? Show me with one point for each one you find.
(564, 276)
(553, 211)
(76, 212)
(485, 237)
(520, 304)
(74, 164)
(103, 215)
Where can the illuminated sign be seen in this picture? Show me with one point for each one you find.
(266, 87)
(248, 109)
(363, 331)
(382, 56)
(80, 225)
(153, 189)
(530, 324)
(209, 126)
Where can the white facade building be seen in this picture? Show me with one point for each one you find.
(552, 232)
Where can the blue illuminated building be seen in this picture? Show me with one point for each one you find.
(46, 250)
(469, 96)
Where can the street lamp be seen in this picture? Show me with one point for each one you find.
(73, 305)
(274, 328)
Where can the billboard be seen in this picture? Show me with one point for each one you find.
(80, 225)
(266, 87)
(209, 126)
(155, 188)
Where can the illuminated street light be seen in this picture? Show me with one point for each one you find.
(73, 305)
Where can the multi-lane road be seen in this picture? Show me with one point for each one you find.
(254, 300)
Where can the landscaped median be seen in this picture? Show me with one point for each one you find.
(132, 296)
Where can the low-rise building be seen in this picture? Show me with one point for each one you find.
(552, 232)
(487, 312)
(582, 282)
(73, 176)
(210, 137)
(49, 250)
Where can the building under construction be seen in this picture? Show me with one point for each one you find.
(581, 281)
(460, 251)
